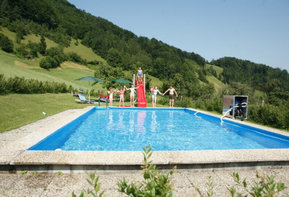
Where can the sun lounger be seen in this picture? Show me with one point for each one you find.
(82, 99)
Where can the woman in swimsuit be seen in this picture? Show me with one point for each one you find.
(172, 92)
(121, 96)
(132, 94)
(110, 92)
(155, 91)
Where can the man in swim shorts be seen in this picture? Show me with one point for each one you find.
(172, 93)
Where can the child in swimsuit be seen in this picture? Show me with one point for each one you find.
(139, 74)
(110, 92)
(155, 91)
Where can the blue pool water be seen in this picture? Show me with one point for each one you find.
(129, 129)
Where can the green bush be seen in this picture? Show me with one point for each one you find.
(93, 182)
(48, 62)
(22, 50)
(154, 184)
(263, 186)
(271, 115)
(6, 44)
(30, 86)
(184, 102)
(74, 57)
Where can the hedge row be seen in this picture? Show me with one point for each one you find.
(21, 85)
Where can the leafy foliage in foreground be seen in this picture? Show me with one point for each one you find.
(155, 183)
(264, 186)
(93, 182)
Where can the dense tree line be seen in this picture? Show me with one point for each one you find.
(259, 76)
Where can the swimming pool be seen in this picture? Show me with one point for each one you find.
(129, 129)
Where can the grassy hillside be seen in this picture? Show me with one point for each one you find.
(30, 37)
(218, 85)
(75, 45)
(11, 66)
(83, 51)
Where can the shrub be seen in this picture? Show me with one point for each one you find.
(30, 86)
(74, 57)
(6, 44)
(57, 54)
(269, 115)
(48, 62)
(22, 51)
(93, 181)
(184, 102)
(263, 186)
(154, 184)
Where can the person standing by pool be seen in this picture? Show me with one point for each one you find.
(172, 93)
(132, 94)
(110, 92)
(155, 91)
(121, 96)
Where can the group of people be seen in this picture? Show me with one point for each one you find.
(171, 90)
(132, 89)
(121, 92)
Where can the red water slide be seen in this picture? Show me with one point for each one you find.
(141, 98)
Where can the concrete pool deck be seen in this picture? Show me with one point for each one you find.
(14, 155)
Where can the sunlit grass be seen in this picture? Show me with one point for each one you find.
(21, 109)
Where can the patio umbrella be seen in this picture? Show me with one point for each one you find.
(89, 79)
(121, 80)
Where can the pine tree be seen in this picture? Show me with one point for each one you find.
(42, 46)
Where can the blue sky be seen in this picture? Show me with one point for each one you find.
(255, 30)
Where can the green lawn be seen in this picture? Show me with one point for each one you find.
(21, 109)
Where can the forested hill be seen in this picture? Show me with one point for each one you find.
(60, 21)
(259, 76)
(195, 79)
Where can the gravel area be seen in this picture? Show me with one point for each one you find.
(185, 182)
